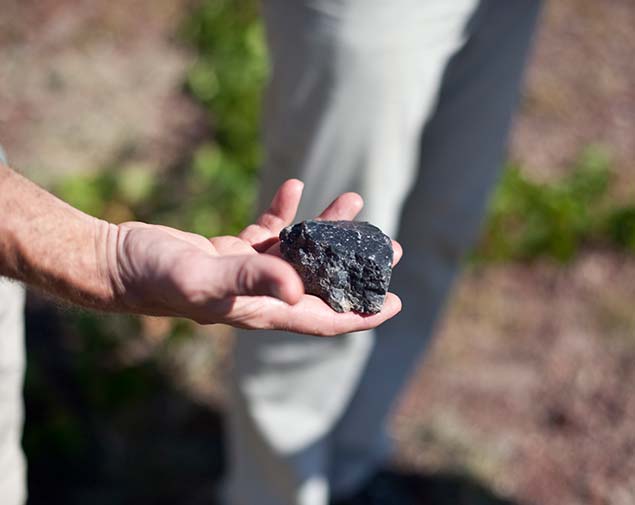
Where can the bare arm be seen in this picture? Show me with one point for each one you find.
(157, 270)
(47, 243)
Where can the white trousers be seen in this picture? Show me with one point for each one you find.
(12, 362)
(409, 103)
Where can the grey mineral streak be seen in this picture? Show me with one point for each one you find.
(346, 263)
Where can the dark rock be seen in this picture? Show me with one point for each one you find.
(346, 263)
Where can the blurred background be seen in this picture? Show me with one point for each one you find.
(149, 110)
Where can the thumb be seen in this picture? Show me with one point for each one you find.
(260, 275)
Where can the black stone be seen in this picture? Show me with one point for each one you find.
(346, 263)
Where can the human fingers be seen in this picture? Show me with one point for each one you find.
(229, 245)
(280, 213)
(313, 316)
(344, 208)
(397, 252)
(256, 275)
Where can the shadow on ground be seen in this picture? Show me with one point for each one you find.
(453, 489)
(399, 486)
(101, 433)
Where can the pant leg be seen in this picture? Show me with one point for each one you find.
(353, 81)
(12, 464)
(462, 149)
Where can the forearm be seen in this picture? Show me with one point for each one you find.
(49, 244)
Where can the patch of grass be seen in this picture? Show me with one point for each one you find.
(230, 70)
(528, 220)
(227, 79)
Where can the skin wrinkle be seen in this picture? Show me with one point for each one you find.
(66, 255)
(113, 239)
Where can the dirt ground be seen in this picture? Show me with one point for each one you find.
(527, 393)
(530, 384)
(87, 84)
(529, 387)
(580, 87)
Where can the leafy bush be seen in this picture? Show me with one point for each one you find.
(528, 219)
(227, 79)
(228, 75)
(620, 227)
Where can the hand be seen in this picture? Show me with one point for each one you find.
(241, 281)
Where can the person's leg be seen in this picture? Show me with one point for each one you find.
(353, 81)
(462, 150)
(12, 464)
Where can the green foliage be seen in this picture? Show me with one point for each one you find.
(116, 194)
(213, 194)
(227, 79)
(89, 193)
(135, 184)
(221, 192)
(620, 227)
(228, 75)
(529, 219)
(229, 72)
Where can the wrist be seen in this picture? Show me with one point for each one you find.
(109, 284)
(51, 245)
(74, 266)
(111, 258)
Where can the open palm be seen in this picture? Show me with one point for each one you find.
(241, 281)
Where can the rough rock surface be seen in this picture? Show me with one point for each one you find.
(346, 263)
